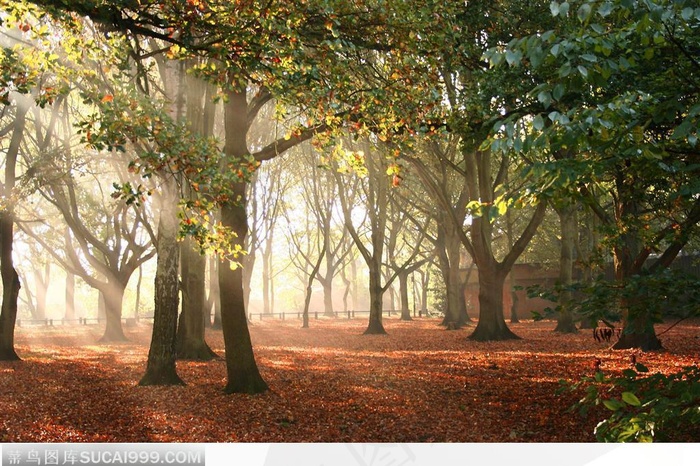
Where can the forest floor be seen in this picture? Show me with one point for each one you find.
(329, 383)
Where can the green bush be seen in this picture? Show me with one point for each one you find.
(643, 407)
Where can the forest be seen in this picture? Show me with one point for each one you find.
(350, 220)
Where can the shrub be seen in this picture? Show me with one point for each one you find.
(643, 407)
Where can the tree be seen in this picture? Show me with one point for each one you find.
(160, 368)
(10, 278)
(619, 87)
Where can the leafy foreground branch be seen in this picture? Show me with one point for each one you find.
(644, 408)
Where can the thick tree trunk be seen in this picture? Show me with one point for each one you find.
(10, 289)
(190, 343)
(638, 327)
(161, 368)
(242, 371)
(10, 278)
(113, 296)
(569, 228)
(376, 293)
(492, 325)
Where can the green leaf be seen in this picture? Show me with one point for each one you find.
(558, 91)
(584, 12)
(631, 399)
(682, 130)
(612, 405)
(583, 70)
(513, 57)
(605, 9)
(545, 98)
(687, 13)
(538, 123)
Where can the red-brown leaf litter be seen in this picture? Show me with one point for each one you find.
(329, 383)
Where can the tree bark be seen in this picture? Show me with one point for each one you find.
(328, 297)
(242, 371)
(10, 279)
(70, 296)
(41, 280)
(403, 290)
(638, 327)
(10, 289)
(309, 285)
(492, 325)
(190, 343)
(113, 294)
(376, 292)
(569, 227)
(161, 367)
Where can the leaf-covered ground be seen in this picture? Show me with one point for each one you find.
(329, 383)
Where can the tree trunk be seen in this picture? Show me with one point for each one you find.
(242, 371)
(10, 289)
(327, 284)
(70, 296)
(569, 227)
(403, 290)
(376, 292)
(492, 325)
(266, 279)
(41, 280)
(113, 295)
(214, 294)
(10, 278)
(309, 285)
(161, 368)
(638, 327)
(190, 342)
(456, 313)
(137, 300)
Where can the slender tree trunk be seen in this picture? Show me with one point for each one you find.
(403, 289)
(161, 368)
(70, 296)
(242, 371)
(492, 325)
(214, 293)
(514, 318)
(266, 281)
(309, 285)
(41, 280)
(569, 226)
(137, 300)
(190, 343)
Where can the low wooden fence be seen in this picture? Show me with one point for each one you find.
(344, 314)
(127, 321)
